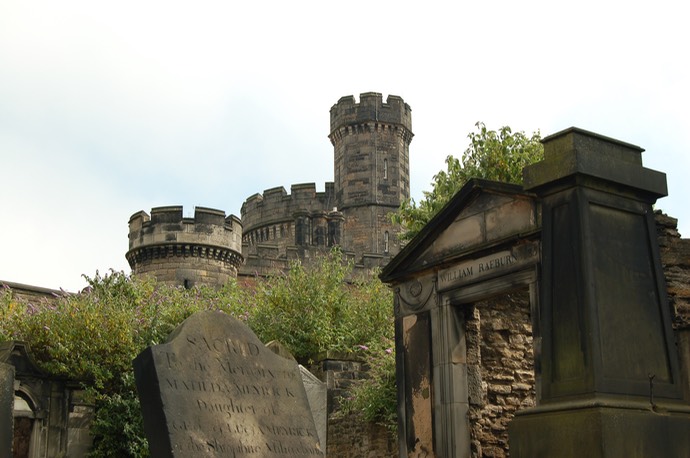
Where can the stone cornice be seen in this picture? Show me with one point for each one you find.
(146, 253)
(371, 126)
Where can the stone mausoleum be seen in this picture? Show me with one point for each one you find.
(371, 142)
(550, 320)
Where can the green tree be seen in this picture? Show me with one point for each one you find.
(493, 155)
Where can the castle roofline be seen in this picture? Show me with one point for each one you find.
(370, 108)
(299, 192)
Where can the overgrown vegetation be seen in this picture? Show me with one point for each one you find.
(94, 336)
(493, 155)
(375, 398)
(316, 310)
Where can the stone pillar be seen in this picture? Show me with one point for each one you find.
(609, 365)
(6, 408)
(451, 400)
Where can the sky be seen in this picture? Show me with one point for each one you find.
(109, 108)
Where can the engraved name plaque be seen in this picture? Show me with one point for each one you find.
(487, 266)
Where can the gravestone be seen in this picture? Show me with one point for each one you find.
(213, 389)
(317, 393)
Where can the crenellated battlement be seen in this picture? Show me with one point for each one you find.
(371, 108)
(168, 225)
(171, 246)
(275, 205)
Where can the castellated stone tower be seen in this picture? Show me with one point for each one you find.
(371, 141)
(181, 251)
(371, 164)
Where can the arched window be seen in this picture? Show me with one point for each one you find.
(385, 242)
(385, 169)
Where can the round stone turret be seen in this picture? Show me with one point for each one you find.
(182, 251)
(371, 142)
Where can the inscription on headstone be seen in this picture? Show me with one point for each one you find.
(215, 390)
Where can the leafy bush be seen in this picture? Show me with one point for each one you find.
(375, 397)
(315, 309)
(93, 336)
(118, 426)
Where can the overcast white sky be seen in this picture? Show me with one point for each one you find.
(108, 108)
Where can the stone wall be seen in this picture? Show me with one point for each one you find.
(675, 258)
(368, 232)
(271, 215)
(349, 436)
(338, 373)
(279, 227)
(500, 369)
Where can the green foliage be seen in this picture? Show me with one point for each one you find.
(493, 155)
(375, 397)
(313, 309)
(118, 426)
(11, 313)
(93, 336)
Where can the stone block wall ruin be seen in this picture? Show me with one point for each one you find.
(500, 369)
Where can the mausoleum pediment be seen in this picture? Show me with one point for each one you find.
(480, 218)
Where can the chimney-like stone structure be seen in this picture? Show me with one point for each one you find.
(610, 381)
